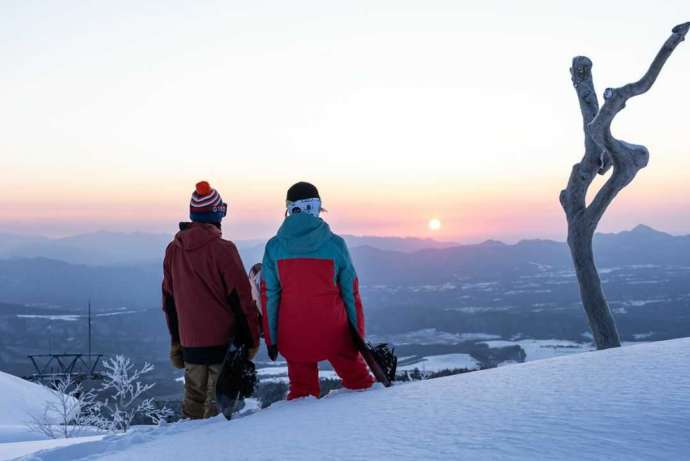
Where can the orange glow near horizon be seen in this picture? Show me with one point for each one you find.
(510, 214)
(367, 101)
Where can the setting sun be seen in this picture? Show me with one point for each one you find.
(435, 224)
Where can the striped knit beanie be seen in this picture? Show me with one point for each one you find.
(206, 205)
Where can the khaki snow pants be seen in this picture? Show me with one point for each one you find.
(200, 390)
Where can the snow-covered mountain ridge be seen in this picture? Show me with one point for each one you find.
(631, 403)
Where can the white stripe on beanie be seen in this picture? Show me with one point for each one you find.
(213, 199)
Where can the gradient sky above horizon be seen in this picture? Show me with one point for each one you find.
(398, 111)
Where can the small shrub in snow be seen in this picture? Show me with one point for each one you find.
(74, 409)
(69, 413)
(126, 400)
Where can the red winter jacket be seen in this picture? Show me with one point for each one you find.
(310, 291)
(204, 284)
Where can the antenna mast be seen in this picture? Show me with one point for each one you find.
(89, 329)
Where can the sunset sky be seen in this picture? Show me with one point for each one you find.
(398, 111)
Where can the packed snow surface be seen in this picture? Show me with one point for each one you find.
(19, 401)
(630, 403)
(15, 450)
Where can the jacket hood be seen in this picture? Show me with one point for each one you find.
(196, 235)
(303, 233)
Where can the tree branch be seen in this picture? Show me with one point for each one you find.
(583, 173)
(648, 79)
(628, 159)
(616, 98)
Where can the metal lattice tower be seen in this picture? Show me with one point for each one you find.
(49, 368)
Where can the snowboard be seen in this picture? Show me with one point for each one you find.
(380, 358)
(236, 381)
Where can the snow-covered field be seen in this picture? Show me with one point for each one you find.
(429, 364)
(280, 374)
(19, 401)
(436, 363)
(630, 403)
(538, 349)
(431, 336)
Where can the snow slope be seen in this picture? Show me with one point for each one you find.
(630, 403)
(19, 399)
(9, 451)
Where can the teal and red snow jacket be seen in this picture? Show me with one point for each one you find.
(310, 291)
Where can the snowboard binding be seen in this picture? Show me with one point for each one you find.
(380, 358)
(386, 358)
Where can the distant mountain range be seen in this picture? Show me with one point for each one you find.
(641, 245)
(114, 248)
(118, 270)
(96, 249)
(117, 249)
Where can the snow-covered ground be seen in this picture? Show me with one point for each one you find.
(630, 403)
(13, 450)
(19, 401)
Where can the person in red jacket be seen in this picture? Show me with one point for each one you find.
(207, 301)
(310, 298)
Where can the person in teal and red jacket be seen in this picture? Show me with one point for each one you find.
(310, 295)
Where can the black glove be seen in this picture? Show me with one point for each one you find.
(273, 352)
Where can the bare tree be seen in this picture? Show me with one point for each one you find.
(73, 410)
(603, 152)
(70, 412)
(127, 401)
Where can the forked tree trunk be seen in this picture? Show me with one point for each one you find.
(603, 152)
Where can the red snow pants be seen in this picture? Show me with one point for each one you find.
(348, 364)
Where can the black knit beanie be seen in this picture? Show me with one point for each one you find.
(302, 191)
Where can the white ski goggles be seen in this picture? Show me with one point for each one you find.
(310, 206)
